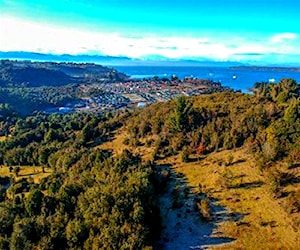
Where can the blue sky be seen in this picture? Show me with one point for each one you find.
(262, 31)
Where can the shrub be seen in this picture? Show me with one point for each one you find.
(205, 210)
(293, 202)
(229, 160)
(185, 156)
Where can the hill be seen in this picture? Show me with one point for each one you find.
(270, 68)
(218, 170)
(105, 60)
(37, 74)
(236, 156)
(147, 60)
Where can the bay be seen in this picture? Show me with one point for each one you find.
(236, 78)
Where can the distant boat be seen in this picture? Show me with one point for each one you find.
(234, 77)
(271, 80)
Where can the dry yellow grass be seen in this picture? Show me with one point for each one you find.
(35, 173)
(241, 189)
(117, 146)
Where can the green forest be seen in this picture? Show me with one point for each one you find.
(93, 198)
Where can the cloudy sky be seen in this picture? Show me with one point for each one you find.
(264, 31)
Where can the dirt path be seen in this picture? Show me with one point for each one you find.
(182, 226)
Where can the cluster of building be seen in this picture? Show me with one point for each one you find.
(107, 101)
(139, 93)
(153, 90)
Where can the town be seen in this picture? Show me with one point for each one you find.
(89, 88)
(132, 93)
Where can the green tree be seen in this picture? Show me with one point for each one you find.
(50, 136)
(23, 235)
(86, 133)
(76, 233)
(180, 120)
(185, 156)
(43, 156)
(6, 219)
(292, 112)
(34, 202)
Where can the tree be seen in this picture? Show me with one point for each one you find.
(86, 133)
(292, 112)
(182, 110)
(23, 235)
(34, 202)
(76, 233)
(180, 120)
(185, 156)
(43, 156)
(50, 136)
(6, 219)
(4, 243)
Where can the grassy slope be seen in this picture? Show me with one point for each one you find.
(35, 173)
(117, 145)
(241, 188)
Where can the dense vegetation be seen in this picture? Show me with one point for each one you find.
(96, 200)
(267, 123)
(38, 74)
(27, 100)
(92, 199)
(268, 120)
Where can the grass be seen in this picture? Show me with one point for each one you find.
(232, 178)
(241, 188)
(117, 146)
(35, 173)
(2, 138)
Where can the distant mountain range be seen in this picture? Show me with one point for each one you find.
(21, 55)
(267, 68)
(148, 60)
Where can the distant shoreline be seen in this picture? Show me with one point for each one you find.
(267, 68)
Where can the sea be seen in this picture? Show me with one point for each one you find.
(239, 78)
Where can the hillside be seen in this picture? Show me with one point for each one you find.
(37, 74)
(236, 156)
(218, 170)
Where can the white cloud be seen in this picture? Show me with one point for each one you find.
(279, 38)
(23, 35)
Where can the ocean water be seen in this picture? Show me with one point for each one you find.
(236, 78)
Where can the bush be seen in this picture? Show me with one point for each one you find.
(205, 211)
(4, 243)
(185, 156)
(229, 160)
(293, 201)
(126, 141)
